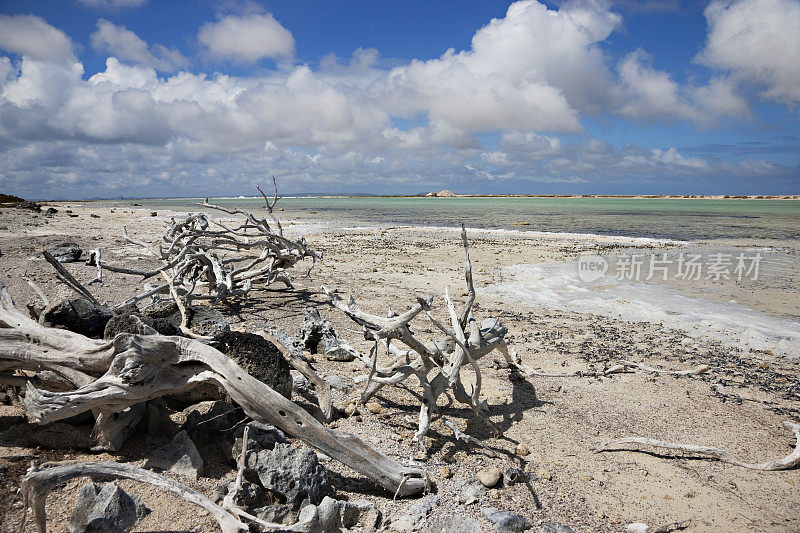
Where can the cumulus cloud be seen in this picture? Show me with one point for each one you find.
(125, 44)
(247, 38)
(652, 94)
(757, 41)
(31, 36)
(533, 69)
(112, 4)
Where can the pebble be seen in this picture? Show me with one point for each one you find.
(505, 522)
(544, 474)
(350, 409)
(637, 527)
(489, 476)
(522, 450)
(445, 472)
(374, 407)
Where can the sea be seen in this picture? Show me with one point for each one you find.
(743, 311)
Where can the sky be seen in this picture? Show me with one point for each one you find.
(138, 98)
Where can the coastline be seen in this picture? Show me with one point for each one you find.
(561, 420)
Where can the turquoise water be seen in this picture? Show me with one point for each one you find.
(679, 219)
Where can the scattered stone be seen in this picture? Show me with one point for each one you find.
(50, 211)
(78, 315)
(292, 472)
(67, 252)
(544, 474)
(505, 522)
(514, 475)
(637, 527)
(374, 407)
(208, 322)
(128, 324)
(458, 523)
(339, 383)
(258, 357)
(153, 213)
(94, 216)
(361, 513)
(179, 456)
(318, 335)
(350, 409)
(6, 421)
(301, 384)
(472, 492)
(413, 518)
(489, 477)
(250, 497)
(323, 517)
(445, 472)
(552, 527)
(522, 450)
(106, 509)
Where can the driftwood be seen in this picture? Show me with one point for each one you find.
(37, 484)
(618, 368)
(136, 368)
(436, 365)
(202, 258)
(785, 463)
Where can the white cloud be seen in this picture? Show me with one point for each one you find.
(247, 38)
(31, 36)
(125, 44)
(652, 94)
(534, 69)
(112, 4)
(757, 41)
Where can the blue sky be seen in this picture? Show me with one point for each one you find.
(102, 98)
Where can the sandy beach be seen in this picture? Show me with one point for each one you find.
(738, 405)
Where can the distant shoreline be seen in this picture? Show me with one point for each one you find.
(576, 196)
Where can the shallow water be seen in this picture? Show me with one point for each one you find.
(676, 219)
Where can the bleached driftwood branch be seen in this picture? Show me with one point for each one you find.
(37, 484)
(136, 368)
(618, 368)
(436, 365)
(785, 463)
(207, 259)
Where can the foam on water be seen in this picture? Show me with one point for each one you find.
(558, 287)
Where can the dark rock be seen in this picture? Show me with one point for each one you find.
(179, 456)
(279, 513)
(209, 419)
(166, 327)
(301, 384)
(505, 522)
(165, 309)
(250, 497)
(293, 473)
(106, 509)
(207, 321)
(50, 211)
(318, 336)
(261, 437)
(78, 315)
(67, 252)
(94, 216)
(258, 357)
(153, 213)
(514, 475)
(552, 527)
(128, 324)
